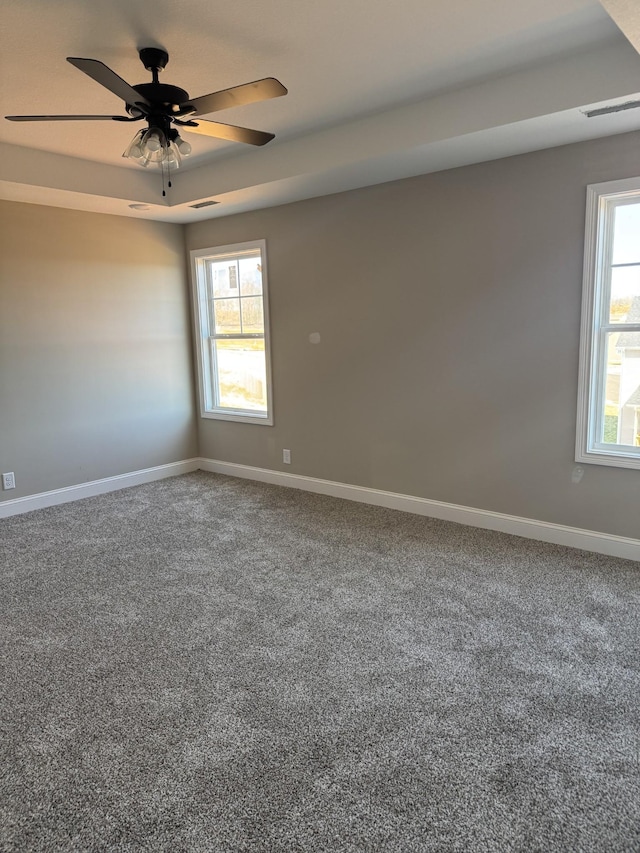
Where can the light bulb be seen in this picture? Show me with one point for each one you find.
(134, 148)
(184, 147)
(152, 141)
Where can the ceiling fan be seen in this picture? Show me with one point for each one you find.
(167, 108)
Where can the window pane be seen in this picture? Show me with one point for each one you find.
(224, 278)
(250, 276)
(252, 317)
(626, 234)
(242, 374)
(625, 295)
(621, 423)
(227, 316)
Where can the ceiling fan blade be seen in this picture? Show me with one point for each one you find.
(102, 74)
(67, 118)
(230, 132)
(237, 96)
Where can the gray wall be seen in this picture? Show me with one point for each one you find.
(449, 310)
(95, 353)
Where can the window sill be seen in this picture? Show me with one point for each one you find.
(239, 417)
(615, 459)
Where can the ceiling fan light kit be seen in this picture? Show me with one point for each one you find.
(152, 146)
(166, 108)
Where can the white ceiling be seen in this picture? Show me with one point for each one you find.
(376, 92)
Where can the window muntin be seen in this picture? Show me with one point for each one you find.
(609, 393)
(232, 332)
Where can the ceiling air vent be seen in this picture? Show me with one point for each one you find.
(203, 204)
(614, 108)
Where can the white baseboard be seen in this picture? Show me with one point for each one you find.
(557, 534)
(96, 487)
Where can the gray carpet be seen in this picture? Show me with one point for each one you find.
(210, 664)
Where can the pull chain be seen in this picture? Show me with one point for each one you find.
(162, 168)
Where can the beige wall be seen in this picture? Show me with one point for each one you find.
(449, 310)
(448, 307)
(95, 353)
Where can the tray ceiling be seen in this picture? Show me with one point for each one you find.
(376, 92)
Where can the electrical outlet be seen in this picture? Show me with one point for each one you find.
(286, 456)
(9, 481)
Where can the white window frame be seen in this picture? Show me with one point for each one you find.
(601, 200)
(205, 367)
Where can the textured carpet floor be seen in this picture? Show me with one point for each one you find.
(210, 664)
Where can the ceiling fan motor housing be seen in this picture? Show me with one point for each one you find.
(162, 95)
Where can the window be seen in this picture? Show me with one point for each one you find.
(232, 332)
(609, 389)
